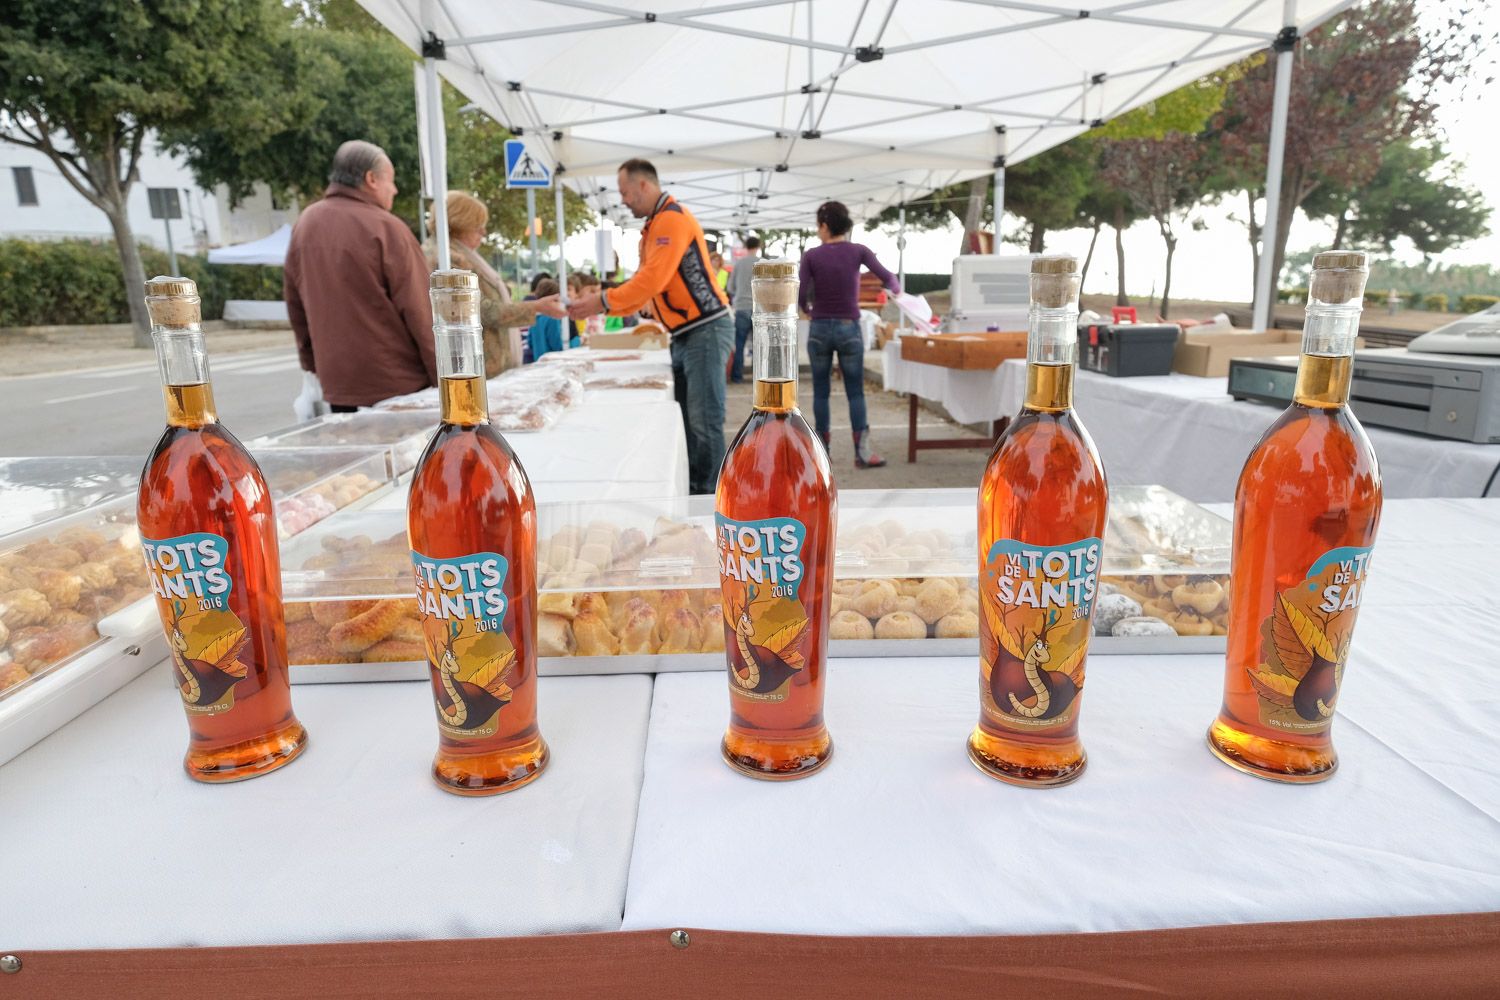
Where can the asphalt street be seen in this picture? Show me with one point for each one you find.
(118, 410)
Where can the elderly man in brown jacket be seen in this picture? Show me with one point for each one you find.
(356, 287)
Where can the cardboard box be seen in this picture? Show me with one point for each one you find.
(969, 351)
(650, 337)
(1208, 354)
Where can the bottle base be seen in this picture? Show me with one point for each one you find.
(492, 773)
(1046, 769)
(770, 761)
(1273, 760)
(249, 759)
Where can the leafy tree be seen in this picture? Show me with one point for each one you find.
(1045, 190)
(1162, 179)
(86, 84)
(1406, 197)
(357, 86)
(1363, 81)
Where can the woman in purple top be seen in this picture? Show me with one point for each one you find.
(830, 295)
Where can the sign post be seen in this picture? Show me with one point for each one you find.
(522, 170)
(165, 205)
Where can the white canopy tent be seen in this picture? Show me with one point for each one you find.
(756, 111)
(266, 250)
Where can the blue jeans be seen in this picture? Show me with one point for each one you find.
(742, 328)
(826, 338)
(698, 360)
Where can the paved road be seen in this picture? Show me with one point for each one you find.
(118, 410)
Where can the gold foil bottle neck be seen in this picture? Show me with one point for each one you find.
(173, 301)
(455, 297)
(1054, 281)
(1339, 276)
(774, 288)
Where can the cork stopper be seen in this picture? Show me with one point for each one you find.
(1054, 281)
(455, 297)
(774, 287)
(173, 301)
(1339, 276)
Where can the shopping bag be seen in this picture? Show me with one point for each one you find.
(309, 402)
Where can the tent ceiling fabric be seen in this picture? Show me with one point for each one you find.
(756, 111)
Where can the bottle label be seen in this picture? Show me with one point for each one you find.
(1034, 631)
(462, 605)
(192, 580)
(765, 621)
(1305, 643)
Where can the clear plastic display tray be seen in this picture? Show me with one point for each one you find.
(310, 484)
(905, 582)
(37, 490)
(402, 435)
(58, 581)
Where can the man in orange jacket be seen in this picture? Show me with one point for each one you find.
(677, 283)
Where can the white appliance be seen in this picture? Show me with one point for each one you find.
(989, 291)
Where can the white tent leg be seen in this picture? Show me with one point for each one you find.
(437, 150)
(901, 258)
(999, 205)
(531, 226)
(1265, 276)
(562, 263)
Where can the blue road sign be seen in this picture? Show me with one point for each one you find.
(522, 170)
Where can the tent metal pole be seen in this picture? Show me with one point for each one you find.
(437, 154)
(901, 254)
(531, 226)
(1000, 185)
(562, 258)
(1265, 276)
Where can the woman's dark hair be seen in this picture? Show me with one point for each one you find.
(538, 278)
(835, 216)
(545, 287)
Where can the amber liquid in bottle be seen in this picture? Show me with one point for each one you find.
(1043, 491)
(776, 509)
(470, 497)
(1311, 487)
(200, 489)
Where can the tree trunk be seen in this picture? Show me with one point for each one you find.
(1121, 299)
(1254, 242)
(1038, 237)
(1291, 196)
(1340, 229)
(974, 213)
(134, 272)
(1166, 288)
(1089, 257)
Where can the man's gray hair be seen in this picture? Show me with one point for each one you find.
(353, 160)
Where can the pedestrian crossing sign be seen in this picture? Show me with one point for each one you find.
(522, 170)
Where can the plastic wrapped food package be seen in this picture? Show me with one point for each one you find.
(58, 581)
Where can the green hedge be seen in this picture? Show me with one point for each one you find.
(1292, 295)
(80, 283)
(920, 284)
(1437, 302)
(1476, 303)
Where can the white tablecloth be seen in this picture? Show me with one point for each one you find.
(110, 845)
(971, 397)
(612, 449)
(1189, 435)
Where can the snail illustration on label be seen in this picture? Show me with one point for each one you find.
(473, 702)
(1021, 683)
(1305, 642)
(190, 578)
(763, 668)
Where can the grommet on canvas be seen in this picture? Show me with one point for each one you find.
(10, 964)
(679, 939)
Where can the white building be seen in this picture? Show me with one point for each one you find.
(37, 202)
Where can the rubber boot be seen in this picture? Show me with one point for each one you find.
(864, 456)
(827, 438)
